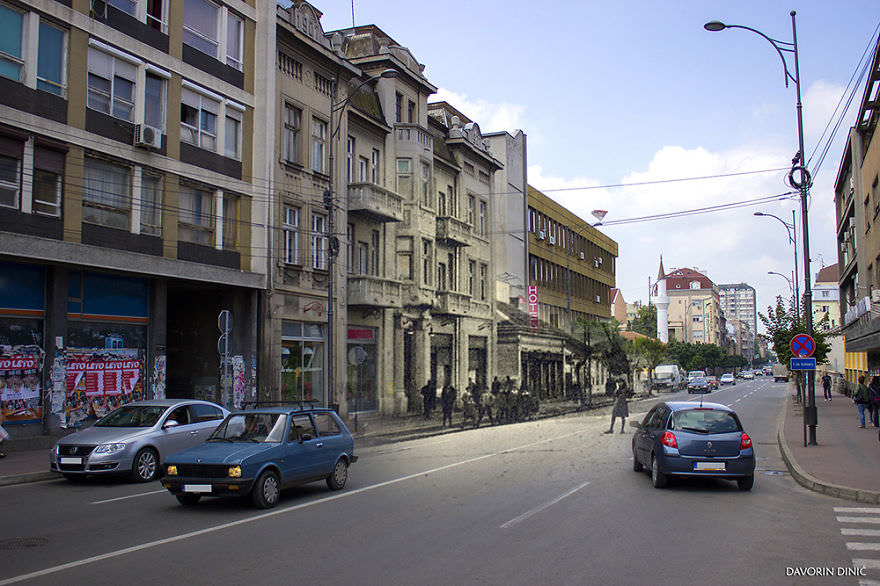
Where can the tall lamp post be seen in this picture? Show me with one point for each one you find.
(330, 204)
(792, 239)
(799, 178)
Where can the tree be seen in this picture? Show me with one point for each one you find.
(603, 342)
(645, 321)
(782, 327)
(653, 352)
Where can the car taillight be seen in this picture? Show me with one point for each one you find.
(745, 442)
(668, 440)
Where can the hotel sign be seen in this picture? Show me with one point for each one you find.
(533, 307)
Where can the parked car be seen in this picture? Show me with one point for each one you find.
(727, 379)
(759, 372)
(698, 384)
(748, 375)
(713, 382)
(688, 439)
(262, 451)
(135, 438)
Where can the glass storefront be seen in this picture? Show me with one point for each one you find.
(302, 362)
(362, 392)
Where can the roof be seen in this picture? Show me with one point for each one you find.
(681, 279)
(828, 274)
(661, 274)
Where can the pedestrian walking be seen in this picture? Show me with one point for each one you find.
(621, 409)
(826, 386)
(861, 400)
(429, 395)
(447, 402)
(874, 400)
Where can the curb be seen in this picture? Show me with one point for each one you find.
(807, 481)
(27, 478)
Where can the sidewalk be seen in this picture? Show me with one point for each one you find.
(844, 464)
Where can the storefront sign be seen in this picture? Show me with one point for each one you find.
(533, 307)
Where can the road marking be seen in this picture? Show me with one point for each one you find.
(273, 513)
(867, 563)
(873, 520)
(540, 508)
(131, 496)
(861, 546)
(860, 532)
(857, 510)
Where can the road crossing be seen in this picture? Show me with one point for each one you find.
(861, 530)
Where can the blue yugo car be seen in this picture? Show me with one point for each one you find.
(260, 452)
(679, 438)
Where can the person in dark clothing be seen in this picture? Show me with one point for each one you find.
(447, 402)
(496, 387)
(826, 386)
(428, 396)
(861, 399)
(610, 386)
(874, 400)
(621, 409)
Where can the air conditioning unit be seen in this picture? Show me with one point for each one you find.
(598, 299)
(98, 9)
(148, 137)
(553, 240)
(875, 296)
(599, 260)
(582, 256)
(596, 263)
(541, 235)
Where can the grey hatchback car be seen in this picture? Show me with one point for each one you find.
(135, 438)
(682, 438)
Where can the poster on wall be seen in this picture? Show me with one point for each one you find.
(99, 379)
(20, 375)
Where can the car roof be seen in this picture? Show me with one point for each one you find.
(685, 405)
(170, 402)
(283, 410)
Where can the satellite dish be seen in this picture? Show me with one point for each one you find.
(599, 214)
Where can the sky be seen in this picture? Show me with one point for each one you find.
(612, 94)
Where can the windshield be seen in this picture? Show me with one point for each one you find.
(132, 416)
(251, 427)
(705, 421)
(698, 381)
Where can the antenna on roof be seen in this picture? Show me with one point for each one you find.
(352, 14)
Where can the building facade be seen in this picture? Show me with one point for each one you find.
(739, 307)
(132, 213)
(826, 299)
(694, 308)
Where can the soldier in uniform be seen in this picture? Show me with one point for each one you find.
(428, 396)
(485, 407)
(447, 402)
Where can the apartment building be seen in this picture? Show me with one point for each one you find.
(826, 299)
(739, 308)
(132, 214)
(694, 308)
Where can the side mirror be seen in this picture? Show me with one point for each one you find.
(305, 437)
(636, 424)
(170, 423)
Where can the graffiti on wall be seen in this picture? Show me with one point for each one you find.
(157, 381)
(21, 370)
(100, 379)
(238, 380)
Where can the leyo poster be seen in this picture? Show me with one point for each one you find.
(20, 368)
(97, 381)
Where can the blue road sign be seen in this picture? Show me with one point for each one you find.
(803, 364)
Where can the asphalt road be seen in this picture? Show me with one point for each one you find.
(552, 501)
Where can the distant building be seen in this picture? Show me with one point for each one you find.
(739, 308)
(694, 308)
(618, 307)
(826, 299)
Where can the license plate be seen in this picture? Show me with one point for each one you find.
(713, 466)
(196, 488)
(70, 460)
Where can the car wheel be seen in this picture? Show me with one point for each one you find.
(658, 479)
(637, 466)
(267, 490)
(339, 476)
(746, 483)
(188, 500)
(145, 466)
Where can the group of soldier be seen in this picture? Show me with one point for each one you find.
(503, 403)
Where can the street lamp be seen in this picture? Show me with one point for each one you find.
(789, 281)
(799, 178)
(792, 239)
(333, 241)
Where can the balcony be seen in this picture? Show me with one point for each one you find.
(375, 202)
(454, 232)
(412, 138)
(452, 303)
(367, 290)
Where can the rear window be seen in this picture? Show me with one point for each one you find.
(326, 424)
(705, 421)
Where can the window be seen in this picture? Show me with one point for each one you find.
(363, 169)
(363, 258)
(198, 120)
(319, 242)
(10, 181)
(374, 254)
(349, 247)
(441, 204)
(112, 84)
(154, 101)
(290, 229)
(451, 262)
(50, 59)
(156, 10)
(319, 140)
(441, 277)
(349, 159)
(232, 136)
(469, 168)
(292, 124)
(201, 21)
(410, 112)
(472, 273)
(404, 177)
(405, 258)
(484, 270)
(234, 35)
(426, 185)
(47, 193)
(106, 194)
(483, 177)
(374, 167)
(11, 54)
(196, 215)
(398, 107)
(426, 261)
(231, 210)
(481, 224)
(471, 212)
(451, 202)
(151, 204)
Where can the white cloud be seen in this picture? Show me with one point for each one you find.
(492, 117)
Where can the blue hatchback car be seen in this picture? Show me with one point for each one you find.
(260, 452)
(679, 438)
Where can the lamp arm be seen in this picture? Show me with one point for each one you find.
(780, 46)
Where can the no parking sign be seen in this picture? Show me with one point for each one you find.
(803, 345)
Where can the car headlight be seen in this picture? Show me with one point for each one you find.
(235, 472)
(109, 448)
(171, 470)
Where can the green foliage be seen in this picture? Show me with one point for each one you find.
(651, 350)
(782, 326)
(604, 343)
(645, 321)
(701, 356)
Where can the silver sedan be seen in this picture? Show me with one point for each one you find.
(135, 438)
